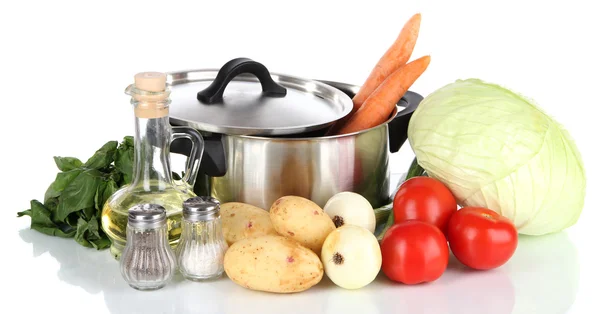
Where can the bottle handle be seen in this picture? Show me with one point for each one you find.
(193, 160)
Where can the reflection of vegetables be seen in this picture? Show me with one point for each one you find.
(495, 149)
(396, 56)
(349, 208)
(556, 272)
(425, 199)
(73, 202)
(414, 252)
(480, 238)
(351, 256)
(491, 292)
(272, 263)
(381, 103)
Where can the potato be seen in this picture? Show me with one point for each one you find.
(242, 221)
(302, 220)
(272, 263)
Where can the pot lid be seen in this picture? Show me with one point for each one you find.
(244, 98)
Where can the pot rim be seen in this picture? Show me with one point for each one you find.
(350, 87)
(322, 98)
(319, 138)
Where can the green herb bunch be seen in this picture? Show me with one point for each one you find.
(73, 202)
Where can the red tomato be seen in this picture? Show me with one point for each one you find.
(414, 252)
(481, 238)
(425, 199)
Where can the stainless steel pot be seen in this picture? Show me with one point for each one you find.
(257, 170)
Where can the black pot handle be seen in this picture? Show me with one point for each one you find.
(398, 127)
(214, 92)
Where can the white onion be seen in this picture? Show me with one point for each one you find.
(351, 257)
(349, 208)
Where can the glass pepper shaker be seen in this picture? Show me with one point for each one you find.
(202, 246)
(147, 261)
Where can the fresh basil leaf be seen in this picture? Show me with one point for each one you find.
(50, 193)
(41, 222)
(111, 188)
(115, 175)
(40, 215)
(68, 230)
(24, 213)
(88, 213)
(71, 220)
(93, 228)
(82, 228)
(103, 157)
(74, 201)
(105, 190)
(51, 204)
(98, 201)
(127, 141)
(101, 244)
(124, 159)
(63, 179)
(79, 194)
(52, 231)
(67, 163)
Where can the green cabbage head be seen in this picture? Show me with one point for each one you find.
(493, 148)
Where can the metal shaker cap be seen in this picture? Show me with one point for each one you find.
(201, 208)
(147, 216)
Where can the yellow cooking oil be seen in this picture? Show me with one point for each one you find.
(115, 213)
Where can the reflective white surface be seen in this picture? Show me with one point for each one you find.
(542, 277)
(548, 285)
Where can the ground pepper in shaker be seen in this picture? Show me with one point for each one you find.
(202, 246)
(147, 261)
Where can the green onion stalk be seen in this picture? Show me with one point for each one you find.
(386, 211)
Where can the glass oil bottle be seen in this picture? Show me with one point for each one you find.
(152, 180)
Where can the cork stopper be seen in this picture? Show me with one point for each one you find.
(151, 96)
(151, 81)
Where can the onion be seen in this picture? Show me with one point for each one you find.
(351, 257)
(349, 208)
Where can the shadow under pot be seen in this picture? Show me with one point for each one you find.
(264, 136)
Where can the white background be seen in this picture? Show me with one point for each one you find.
(65, 64)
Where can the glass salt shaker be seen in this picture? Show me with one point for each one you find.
(202, 246)
(147, 261)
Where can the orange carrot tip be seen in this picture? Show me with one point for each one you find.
(381, 103)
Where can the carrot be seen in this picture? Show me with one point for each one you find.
(377, 108)
(396, 56)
